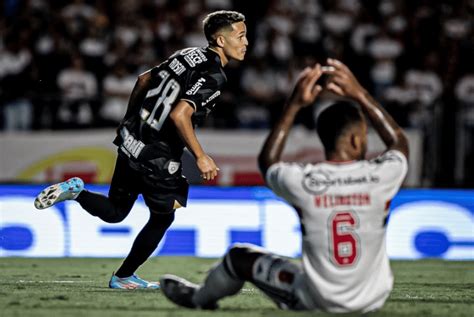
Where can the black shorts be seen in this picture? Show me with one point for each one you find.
(159, 190)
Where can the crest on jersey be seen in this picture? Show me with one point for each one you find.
(173, 167)
(316, 182)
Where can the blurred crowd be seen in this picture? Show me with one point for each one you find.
(73, 64)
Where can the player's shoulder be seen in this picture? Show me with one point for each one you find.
(289, 168)
(201, 62)
(391, 156)
(198, 57)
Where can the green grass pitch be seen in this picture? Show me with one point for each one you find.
(78, 287)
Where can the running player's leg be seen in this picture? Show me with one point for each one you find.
(120, 200)
(145, 243)
(113, 208)
(162, 201)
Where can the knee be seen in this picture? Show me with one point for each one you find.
(118, 213)
(114, 215)
(238, 251)
(162, 219)
(240, 259)
(116, 218)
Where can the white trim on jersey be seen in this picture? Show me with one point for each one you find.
(192, 103)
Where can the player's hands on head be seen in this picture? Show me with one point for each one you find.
(306, 90)
(342, 81)
(207, 167)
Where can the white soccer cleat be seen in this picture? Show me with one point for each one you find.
(180, 291)
(56, 193)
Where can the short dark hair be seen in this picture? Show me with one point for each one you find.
(219, 20)
(333, 121)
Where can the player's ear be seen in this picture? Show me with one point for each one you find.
(220, 41)
(356, 142)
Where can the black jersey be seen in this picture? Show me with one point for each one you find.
(193, 74)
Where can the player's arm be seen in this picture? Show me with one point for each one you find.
(138, 94)
(344, 83)
(181, 115)
(304, 94)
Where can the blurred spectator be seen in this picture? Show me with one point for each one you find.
(117, 88)
(259, 84)
(78, 88)
(465, 91)
(465, 130)
(15, 63)
(427, 85)
(93, 49)
(384, 50)
(78, 9)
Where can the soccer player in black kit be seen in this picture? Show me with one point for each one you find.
(165, 105)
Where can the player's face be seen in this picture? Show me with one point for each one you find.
(235, 45)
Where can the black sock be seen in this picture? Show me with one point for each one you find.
(145, 243)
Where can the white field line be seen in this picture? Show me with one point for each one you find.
(54, 281)
(244, 290)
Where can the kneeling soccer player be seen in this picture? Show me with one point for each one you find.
(342, 204)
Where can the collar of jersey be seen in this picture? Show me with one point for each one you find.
(342, 162)
(218, 58)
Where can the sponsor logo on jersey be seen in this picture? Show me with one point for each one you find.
(317, 182)
(130, 145)
(177, 67)
(194, 56)
(212, 97)
(194, 89)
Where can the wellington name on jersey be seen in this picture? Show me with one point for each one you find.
(343, 209)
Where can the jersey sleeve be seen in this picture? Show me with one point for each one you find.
(285, 180)
(391, 168)
(202, 89)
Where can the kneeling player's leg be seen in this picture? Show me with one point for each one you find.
(221, 281)
(145, 243)
(226, 277)
(276, 276)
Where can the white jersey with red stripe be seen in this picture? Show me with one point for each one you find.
(343, 209)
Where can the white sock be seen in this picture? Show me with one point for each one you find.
(220, 282)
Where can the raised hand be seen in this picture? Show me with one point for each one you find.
(305, 91)
(342, 81)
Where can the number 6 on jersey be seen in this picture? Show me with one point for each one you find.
(344, 242)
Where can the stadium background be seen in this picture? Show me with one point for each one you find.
(67, 68)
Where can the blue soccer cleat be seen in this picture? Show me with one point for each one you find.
(131, 282)
(56, 193)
